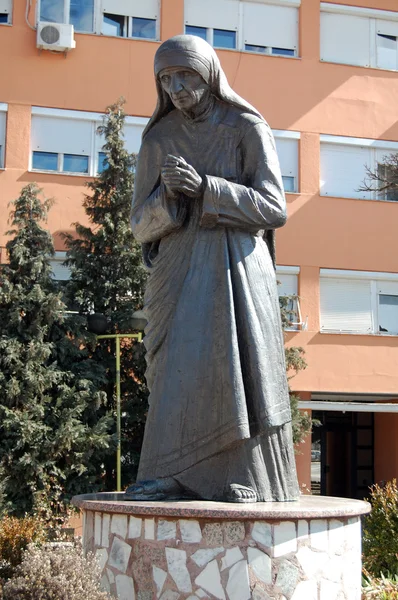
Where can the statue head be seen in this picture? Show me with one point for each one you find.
(198, 66)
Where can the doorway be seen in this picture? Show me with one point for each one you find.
(342, 457)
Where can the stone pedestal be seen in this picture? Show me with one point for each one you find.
(305, 550)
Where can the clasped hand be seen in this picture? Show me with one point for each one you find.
(179, 176)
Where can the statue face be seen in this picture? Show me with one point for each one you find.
(185, 87)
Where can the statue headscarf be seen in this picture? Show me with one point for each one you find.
(195, 53)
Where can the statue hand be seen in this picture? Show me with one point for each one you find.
(179, 176)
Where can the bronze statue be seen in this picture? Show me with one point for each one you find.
(208, 195)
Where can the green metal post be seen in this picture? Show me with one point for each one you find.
(117, 337)
(118, 420)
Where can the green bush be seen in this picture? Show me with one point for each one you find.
(380, 588)
(380, 533)
(15, 535)
(55, 573)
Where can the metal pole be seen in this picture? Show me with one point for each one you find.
(118, 420)
(117, 336)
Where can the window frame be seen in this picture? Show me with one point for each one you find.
(291, 271)
(98, 12)
(7, 7)
(380, 284)
(96, 141)
(239, 29)
(3, 133)
(375, 17)
(377, 150)
(280, 134)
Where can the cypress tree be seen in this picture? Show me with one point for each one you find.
(107, 276)
(52, 439)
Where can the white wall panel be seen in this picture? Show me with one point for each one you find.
(346, 305)
(345, 39)
(148, 9)
(68, 136)
(132, 136)
(220, 14)
(270, 25)
(343, 170)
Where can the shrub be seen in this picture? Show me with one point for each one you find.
(380, 534)
(380, 588)
(55, 573)
(15, 536)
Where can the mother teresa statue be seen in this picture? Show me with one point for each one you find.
(208, 197)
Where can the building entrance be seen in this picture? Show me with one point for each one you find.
(343, 454)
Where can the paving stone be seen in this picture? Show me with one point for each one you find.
(125, 587)
(311, 562)
(149, 529)
(285, 538)
(177, 565)
(261, 532)
(111, 576)
(167, 530)
(319, 535)
(170, 595)
(145, 595)
(210, 580)
(205, 555)
(234, 532)
(191, 532)
(135, 528)
(260, 564)
(201, 593)
(212, 534)
(306, 590)
(159, 577)
(287, 578)
(259, 593)
(238, 586)
(104, 583)
(119, 555)
(106, 519)
(97, 529)
(232, 556)
(102, 556)
(119, 525)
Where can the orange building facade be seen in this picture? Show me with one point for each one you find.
(325, 76)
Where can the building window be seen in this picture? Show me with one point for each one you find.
(79, 13)
(263, 27)
(5, 12)
(287, 278)
(287, 149)
(222, 38)
(3, 124)
(66, 141)
(366, 37)
(45, 161)
(344, 162)
(114, 25)
(388, 175)
(108, 17)
(198, 31)
(358, 302)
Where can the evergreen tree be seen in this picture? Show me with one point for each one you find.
(107, 276)
(51, 439)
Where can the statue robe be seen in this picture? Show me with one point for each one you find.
(219, 409)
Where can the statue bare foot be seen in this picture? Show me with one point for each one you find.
(165, 488)
(240, 493)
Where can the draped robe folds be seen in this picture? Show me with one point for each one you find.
(219, 409)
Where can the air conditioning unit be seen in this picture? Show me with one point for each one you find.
(55, 36)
